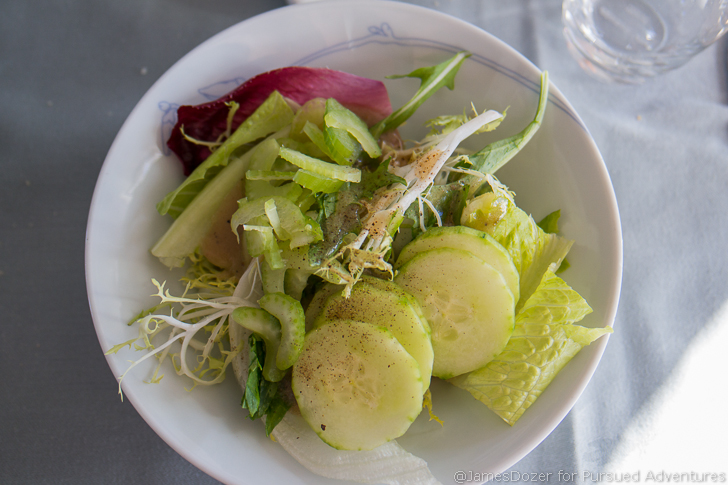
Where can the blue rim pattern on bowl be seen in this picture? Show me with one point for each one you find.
(379, 34)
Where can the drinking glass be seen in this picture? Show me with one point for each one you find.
(631, 40)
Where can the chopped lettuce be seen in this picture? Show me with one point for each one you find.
(268, 220)
(321, 199)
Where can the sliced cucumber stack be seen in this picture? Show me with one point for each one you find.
(356, 385)
(392, 287)
(480, 243)
(468, 304)
(384, 304)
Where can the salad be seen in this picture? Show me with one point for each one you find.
(338, 268)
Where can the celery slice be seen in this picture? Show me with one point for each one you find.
(263, 159)
(312, 112)
(271, 211)
(319, 167)
(343, 147)
(289, 313)
(260, 241)
(281, 215)
(316, 135)
(267, 327)
(272, 279)
(337, 116)
(317, 183)
(268, 175)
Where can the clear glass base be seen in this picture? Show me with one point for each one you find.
(624, 40)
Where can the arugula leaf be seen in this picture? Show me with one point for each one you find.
(251, 394)
(380, 177)
(343, 220)
(432, 79)
(494, 156)
(327, 206)
(261, 397)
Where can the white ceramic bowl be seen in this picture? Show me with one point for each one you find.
(561, 168)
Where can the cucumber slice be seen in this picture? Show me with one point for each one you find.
(467, 303)
(394, 311)
(289, 313)
(391, 286)
(480, 243)
(318, 301)
(295, 281)
(356, 386)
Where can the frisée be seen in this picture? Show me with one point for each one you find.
(332, 215)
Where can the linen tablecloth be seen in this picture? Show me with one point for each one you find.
(70, 73)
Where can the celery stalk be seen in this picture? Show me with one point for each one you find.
(192, 225)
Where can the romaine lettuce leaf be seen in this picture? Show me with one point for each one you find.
(513, 381)
(553, 302)
(533, 250)
(543, 342)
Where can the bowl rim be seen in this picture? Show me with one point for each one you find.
(556, 97)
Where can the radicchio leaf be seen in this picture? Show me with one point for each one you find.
(365, 97)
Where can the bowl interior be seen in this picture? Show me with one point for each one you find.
(560, 169)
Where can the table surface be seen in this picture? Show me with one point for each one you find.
(71, 72)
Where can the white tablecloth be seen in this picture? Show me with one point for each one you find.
(71, 72)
